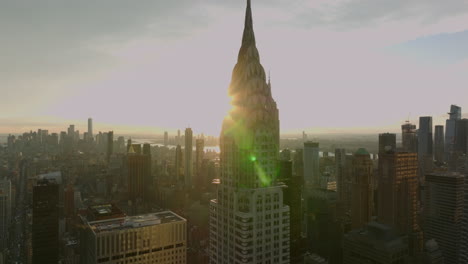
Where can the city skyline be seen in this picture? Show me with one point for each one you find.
(116, 145)
(131, 60)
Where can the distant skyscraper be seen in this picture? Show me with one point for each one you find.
(341, 185)
(387, 142)
(362, 189)
(110, 144)
(90, 129)
(5, 212)
(145, 239)
(311, 164)
(178, 164)
(443, 212)
(188, 158)
(425, 147)
(248, 221)
(439, 144)
(398, 195)
(409, 137)
(199, 156)
(179, 141)
(45, 223)
(454, 115)
(71, 131)
(166, 139)
(425, 137)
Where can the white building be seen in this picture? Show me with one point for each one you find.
(144, 239)
(249, 222)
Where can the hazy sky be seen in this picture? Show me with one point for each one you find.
(343, 66)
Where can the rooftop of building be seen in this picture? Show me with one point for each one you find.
(362, 151)
(377, 235)
(311, 144)
(448, 174)
(103, 212)
(51, 176)
(131, 222)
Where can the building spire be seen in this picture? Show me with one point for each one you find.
(249, 36)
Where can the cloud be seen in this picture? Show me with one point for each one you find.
(349, 14)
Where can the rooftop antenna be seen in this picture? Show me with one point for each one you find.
(408, 119)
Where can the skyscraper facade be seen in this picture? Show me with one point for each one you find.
(461, 136)
(464, 228)
(199, 155)
(178, 164)
(311, 164)
(362, 189)
(249, 222)
(454, 115)
(398, 195)
(439, 144)
(110, 145)
(45, 222)
(5, 211)
(409, 137)
(425, 141)
(188, 158)
(443, 212)
(138, 173)
(145, 239)
(340, 161)
(166, 139)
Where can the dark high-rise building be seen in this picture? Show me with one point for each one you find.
(443, 212)
(293, 198)
(425, 147)
(425, 141)
(439, 144)
(178, 164)
(5, 212)
(409, 137)
(150, 194)
(45, 223)
(199, 155)
(454, 115)
(139, 171)
(110, 144)
(343, 165)
(362, 189)
(311, 165)
(398, 195)
(249, 222)
(188, 158)
(387, 142)
(461, 134)
(464, 228)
